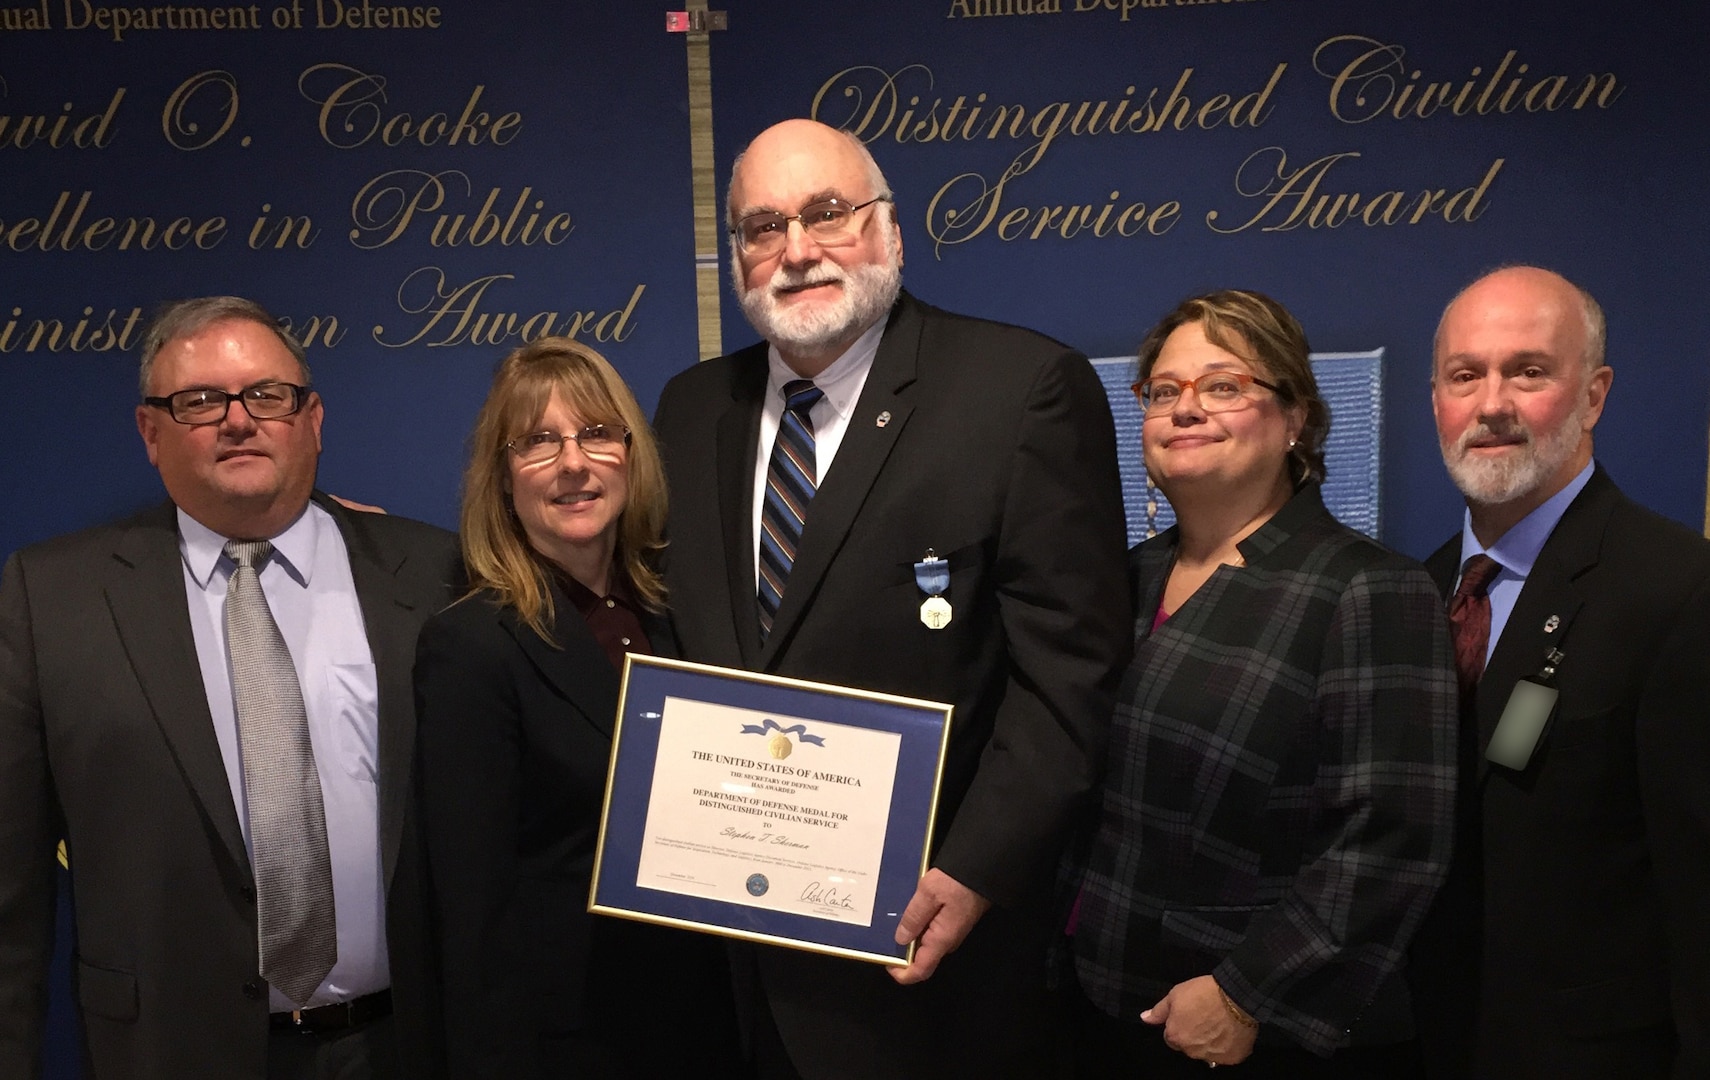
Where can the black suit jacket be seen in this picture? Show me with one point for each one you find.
(105, 734)
(515, 736)
(993, 447)
(1590, 868)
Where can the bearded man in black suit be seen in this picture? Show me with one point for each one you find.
(1572, 939)
(933, 436)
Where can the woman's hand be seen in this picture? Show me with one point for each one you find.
(1201, 1025)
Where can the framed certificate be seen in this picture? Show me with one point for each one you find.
(778, 811)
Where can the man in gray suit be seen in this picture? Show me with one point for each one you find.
(212, 940)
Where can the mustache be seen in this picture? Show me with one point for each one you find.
(783, 278)
(1494, 427)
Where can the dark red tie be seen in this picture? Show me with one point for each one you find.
(1449, 946)
(1469, 621)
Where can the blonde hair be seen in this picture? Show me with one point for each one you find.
(496, 552)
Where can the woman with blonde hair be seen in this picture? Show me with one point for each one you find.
(516, 691)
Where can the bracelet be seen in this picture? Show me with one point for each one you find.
(1236, 1012)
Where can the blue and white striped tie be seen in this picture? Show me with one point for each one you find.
(792, 477)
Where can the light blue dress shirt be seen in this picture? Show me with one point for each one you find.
(312, 596)
(1516, 550)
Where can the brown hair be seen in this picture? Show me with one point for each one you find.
(495, 550)
(1262, 332)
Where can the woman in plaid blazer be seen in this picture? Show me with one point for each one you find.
(1278, 809)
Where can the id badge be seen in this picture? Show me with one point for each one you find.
(1522, 724)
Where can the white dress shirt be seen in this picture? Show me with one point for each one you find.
(841, 384)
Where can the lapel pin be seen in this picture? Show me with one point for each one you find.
(1551, 623)
(883, 418)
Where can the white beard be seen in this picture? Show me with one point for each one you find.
(868, 292)
(1521, 469)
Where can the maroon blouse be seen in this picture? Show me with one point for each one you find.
(614, 619)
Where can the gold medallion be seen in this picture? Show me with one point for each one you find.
(780, 746)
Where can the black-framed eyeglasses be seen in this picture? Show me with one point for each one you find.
(205, 405)
(828, 221)
(602, 442)
(1217, 391)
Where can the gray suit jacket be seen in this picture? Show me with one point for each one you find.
(106, 739)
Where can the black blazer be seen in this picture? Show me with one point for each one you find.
(105, 733)
(514, 742)
(993, 447)
(1591, 867)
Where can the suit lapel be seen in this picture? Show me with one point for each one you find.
(577, 669)
(1150, 570)
(1572, 549)
(860, 457)
(145, 592)
(392, 621)
(1444, 567)
(1152, 575)
(738, 434)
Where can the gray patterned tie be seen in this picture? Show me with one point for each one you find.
(287, 822)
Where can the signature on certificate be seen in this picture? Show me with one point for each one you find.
(770, 839)
(827, 896)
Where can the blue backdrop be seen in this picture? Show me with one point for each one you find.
(449, 191)
(419, 199)
(1292, 107)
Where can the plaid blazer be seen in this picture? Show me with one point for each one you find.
(1279, 805)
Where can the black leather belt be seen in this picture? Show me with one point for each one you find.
(338, 1017)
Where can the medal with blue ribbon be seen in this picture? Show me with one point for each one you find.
(932, 574)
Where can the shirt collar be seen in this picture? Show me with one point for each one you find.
(294, 548)
(584, 599)
(842, 381)
(1517, 549)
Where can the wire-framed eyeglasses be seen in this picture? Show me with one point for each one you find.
(830, 222)
(601, 442)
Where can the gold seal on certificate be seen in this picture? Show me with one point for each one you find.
(770, 809)
(727, 823)
(935, 613)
